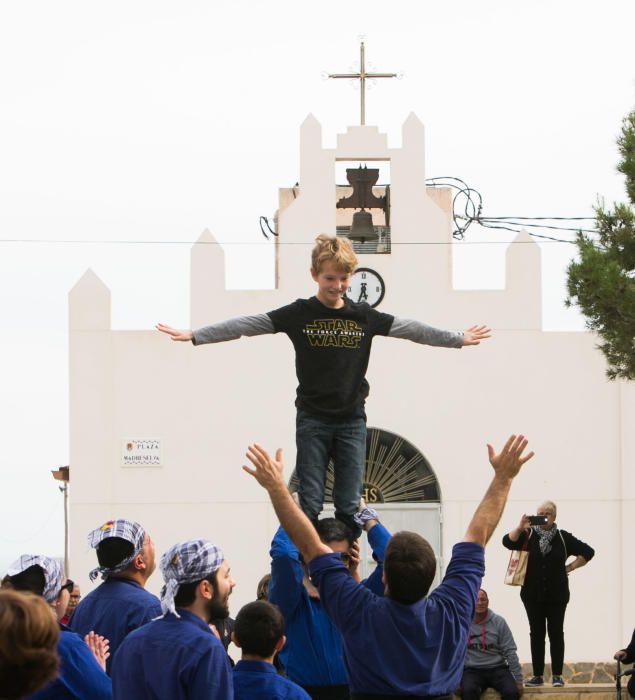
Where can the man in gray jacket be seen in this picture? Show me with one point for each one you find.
(491, 660)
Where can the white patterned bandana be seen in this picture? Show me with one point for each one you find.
(187, 562)
(127, 530)
(364, 515)
(53, 574)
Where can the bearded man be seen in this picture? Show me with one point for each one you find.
(178, 656)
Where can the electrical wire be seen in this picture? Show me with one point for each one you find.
(467, 209)
(45, 241)
(472, 213)
(262, 230)
(486, 220)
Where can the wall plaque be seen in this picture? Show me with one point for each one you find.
(138, 452)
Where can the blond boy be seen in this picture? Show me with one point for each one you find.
(332, 337)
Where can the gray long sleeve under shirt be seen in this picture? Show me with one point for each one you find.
(260, 324)
(500, 647)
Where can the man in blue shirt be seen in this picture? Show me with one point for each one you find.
(313, 656)
(407, 643)
(120, 604)
(259, 633)
(178, 656)
(80, 675)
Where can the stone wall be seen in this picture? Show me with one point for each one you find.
(581, 672)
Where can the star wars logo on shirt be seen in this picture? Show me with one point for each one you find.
(334, 332)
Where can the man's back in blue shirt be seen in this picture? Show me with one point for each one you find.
(80, 675)
(312, 655)
(172, 657)
(399, 649)
(258, 680)
(114, 609)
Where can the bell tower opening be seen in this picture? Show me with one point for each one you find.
(362, 202)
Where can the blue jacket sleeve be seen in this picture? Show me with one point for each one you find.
(285, 587)
(80, 673)
(462, 579)
(378, 538)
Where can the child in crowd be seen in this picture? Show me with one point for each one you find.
(332, 337)
(259, 632)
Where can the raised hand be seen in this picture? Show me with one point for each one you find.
(174, 333)
(524, 523)
(267, 471)
(510, 459)
(474, 335)
(99, 647)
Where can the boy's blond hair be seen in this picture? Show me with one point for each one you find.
(335, 249)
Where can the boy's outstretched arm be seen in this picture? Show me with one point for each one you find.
(268, 473)
(506, 466)
(231, 329)
(419, 332)
(174, 333)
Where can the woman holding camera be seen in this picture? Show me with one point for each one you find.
(545, 592)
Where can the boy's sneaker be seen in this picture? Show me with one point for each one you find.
(534, 682)
(557, 682)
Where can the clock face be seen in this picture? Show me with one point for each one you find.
(366, 285)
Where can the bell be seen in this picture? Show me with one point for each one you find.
(362, 229)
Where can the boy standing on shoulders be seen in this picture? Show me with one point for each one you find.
(259, 632)
(332, 337)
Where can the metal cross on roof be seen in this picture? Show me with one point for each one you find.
(362, 76)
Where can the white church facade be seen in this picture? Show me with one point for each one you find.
(158, 430)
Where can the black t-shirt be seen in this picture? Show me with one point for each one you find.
(332, 349)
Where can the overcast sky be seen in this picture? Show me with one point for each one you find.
(144, 121)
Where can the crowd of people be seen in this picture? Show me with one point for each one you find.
(315, 630)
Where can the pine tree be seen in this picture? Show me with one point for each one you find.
(602, 281)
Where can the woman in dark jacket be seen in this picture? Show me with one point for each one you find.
(545, 593)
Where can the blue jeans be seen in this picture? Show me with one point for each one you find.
(317, 442)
